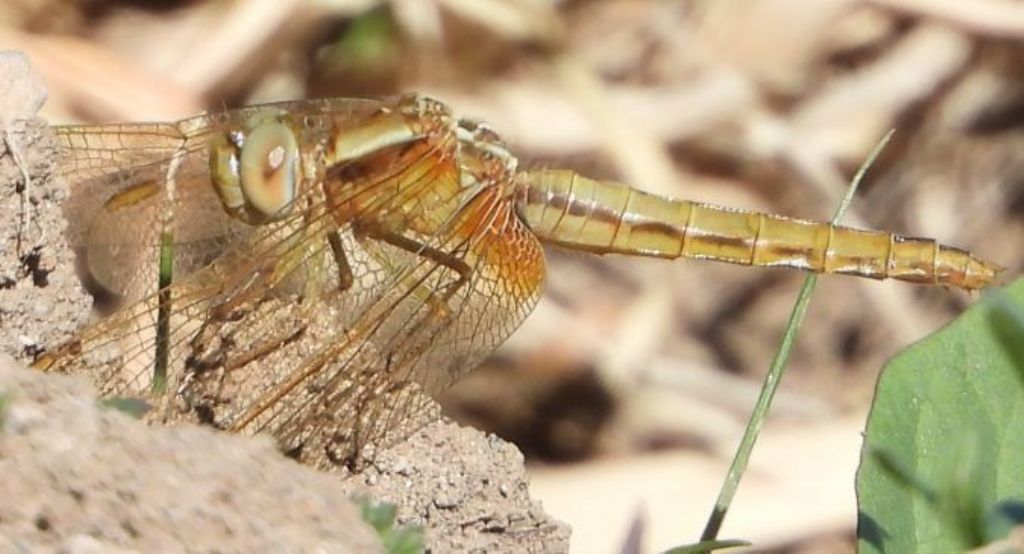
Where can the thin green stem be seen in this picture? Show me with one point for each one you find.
(163, 316)
(774, 376)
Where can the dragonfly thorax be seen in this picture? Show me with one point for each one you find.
(413, 166)
(484, 160)
(255, 170)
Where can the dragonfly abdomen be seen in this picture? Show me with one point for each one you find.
(565, 208)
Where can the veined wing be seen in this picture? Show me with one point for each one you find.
(129, 185)
(271, 335)
(421, 334)
(132, 183)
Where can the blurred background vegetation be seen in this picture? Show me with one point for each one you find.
(641, 373)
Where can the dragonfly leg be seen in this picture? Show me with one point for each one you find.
(264, 347)
(210, 345)
(203, 355)
(345, 277)
(438, 302)
(350, 446)
(208, 372)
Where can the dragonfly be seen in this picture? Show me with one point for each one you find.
(319, 270)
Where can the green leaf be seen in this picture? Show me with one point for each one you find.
(407, 539)
(404, 539)
(942, 468)
(380, 515)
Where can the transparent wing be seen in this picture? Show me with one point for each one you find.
(270, 336)
(120, 197)
(410, 343)
(121, 200)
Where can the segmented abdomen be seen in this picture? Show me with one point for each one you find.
(565, 208)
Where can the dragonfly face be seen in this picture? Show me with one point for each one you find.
(255, 169)
(326, 266)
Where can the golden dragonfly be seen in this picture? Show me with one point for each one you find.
(318, 269)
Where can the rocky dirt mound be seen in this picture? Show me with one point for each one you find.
(78, 476)
(81, 477)
(468, 490)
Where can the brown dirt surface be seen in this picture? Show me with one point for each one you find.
(466, 489)
(41, 300)
(78, 477)
(133, 487)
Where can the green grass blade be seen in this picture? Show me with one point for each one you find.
(774, 376)
(163, 316)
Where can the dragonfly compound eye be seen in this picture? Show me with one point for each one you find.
(224, 172)
(268, 169)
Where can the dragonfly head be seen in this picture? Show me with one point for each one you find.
(255, 169)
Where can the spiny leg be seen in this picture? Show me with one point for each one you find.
(438, 303)
(243, 303)
(345, 276)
